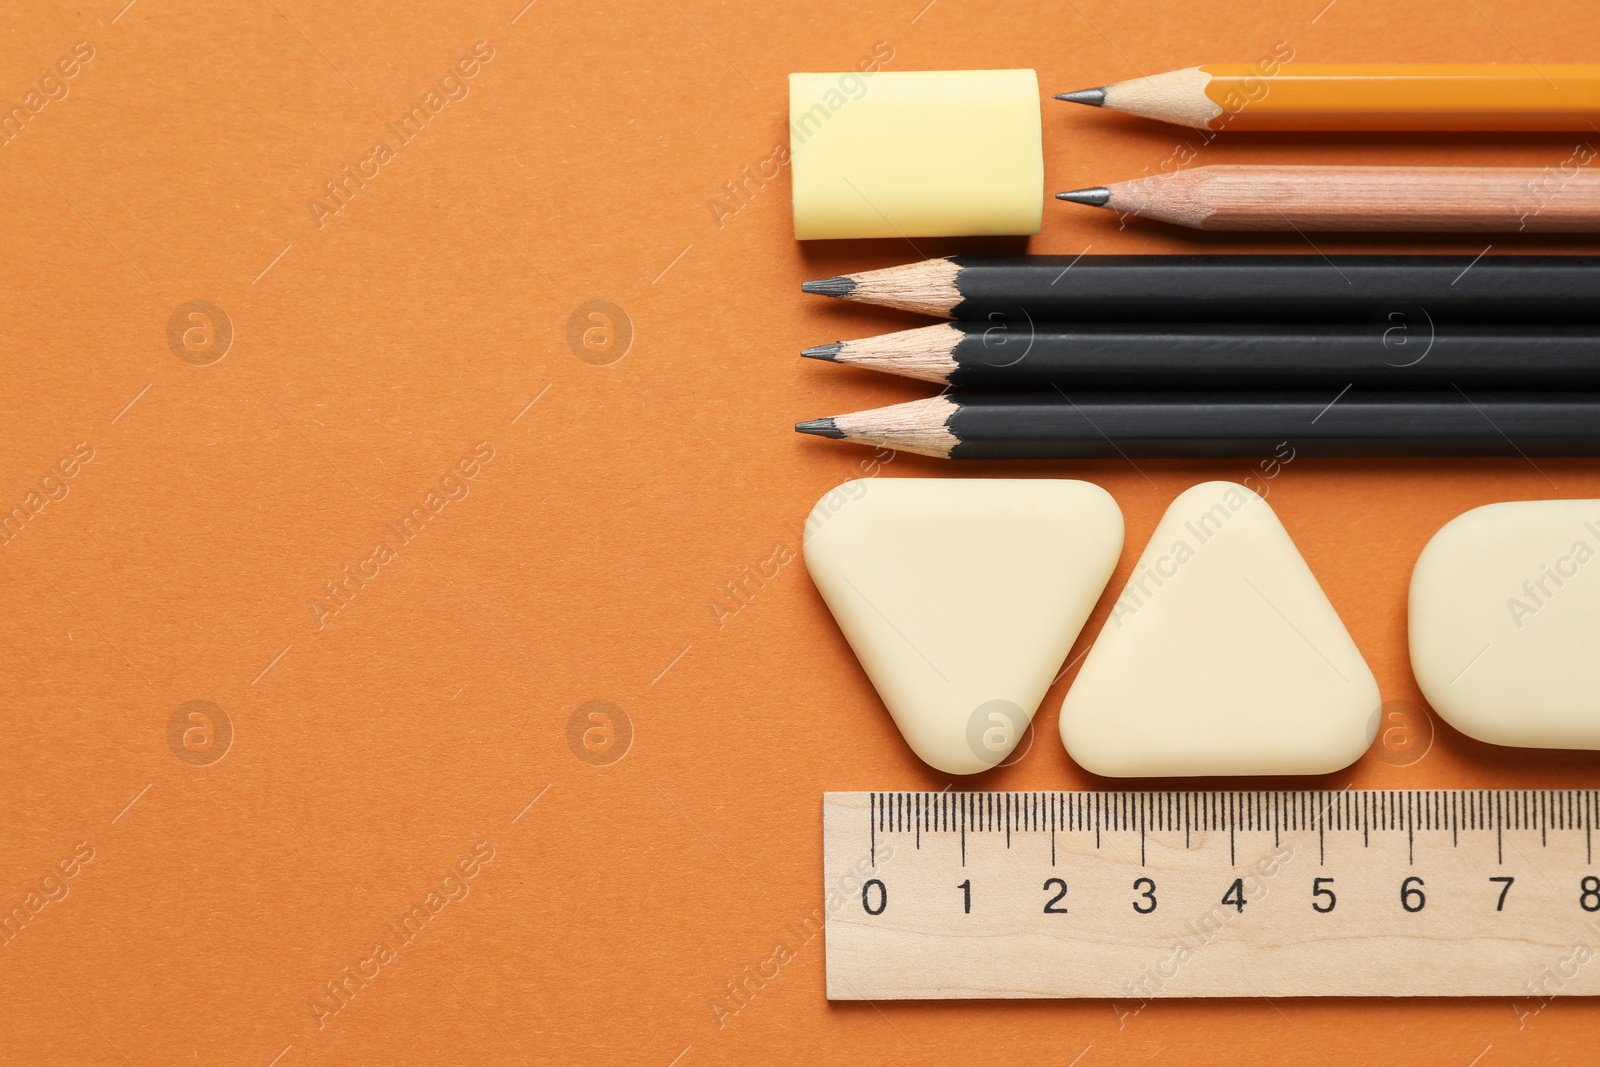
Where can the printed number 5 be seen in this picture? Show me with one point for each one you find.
(1319, 891)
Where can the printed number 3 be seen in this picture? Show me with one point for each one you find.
(1148, 888)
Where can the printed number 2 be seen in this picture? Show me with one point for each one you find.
(1060, 885)
(1148, 888)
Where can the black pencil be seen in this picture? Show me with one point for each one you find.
(1060, 425)
(1301, 288)
(1400, 354)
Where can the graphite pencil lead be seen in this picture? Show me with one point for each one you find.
(839, 286)
(1099, 196)
(820, 428)
(827, 352)
(1092, 97)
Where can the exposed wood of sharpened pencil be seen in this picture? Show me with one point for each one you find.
(1274, 95)
(1059, 425)
(1390, 199)
(1403, 353)
(1242, 288)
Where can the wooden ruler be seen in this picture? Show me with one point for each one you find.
(1211, 894)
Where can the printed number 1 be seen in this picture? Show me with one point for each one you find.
(966, 896)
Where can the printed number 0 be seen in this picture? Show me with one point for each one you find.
(866, 897)
(1148, 888)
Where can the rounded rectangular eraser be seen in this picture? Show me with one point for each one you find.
(936, 153)
(1505, 620)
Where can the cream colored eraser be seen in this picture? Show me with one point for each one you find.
(1505, 623)
(962, 597)
(936, 153)
(1222, 656)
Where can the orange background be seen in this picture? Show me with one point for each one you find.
(372, 353)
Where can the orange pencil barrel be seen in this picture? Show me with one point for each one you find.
(1380, 96)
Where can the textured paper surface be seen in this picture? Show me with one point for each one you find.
(370, 357)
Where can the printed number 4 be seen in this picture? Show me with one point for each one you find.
(1235, 894)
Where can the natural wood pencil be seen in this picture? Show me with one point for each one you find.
(1392, 199)
(1398, 354)
(1015, 290)
(1060, 425)
(1361, 96)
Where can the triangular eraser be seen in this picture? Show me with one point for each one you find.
(961, 598)
(1222, 656)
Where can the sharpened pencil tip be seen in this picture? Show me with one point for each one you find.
(1099, 196)
(1092, 97)
(840, 286)
(826, 352)
(820, 428)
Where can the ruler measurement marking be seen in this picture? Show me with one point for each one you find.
(1411, 833)
(872, 828)
(965, 797)
(1052, 834)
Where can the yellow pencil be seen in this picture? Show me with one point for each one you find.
(1362, 96)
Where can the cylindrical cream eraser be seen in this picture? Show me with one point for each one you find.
(938, 153)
